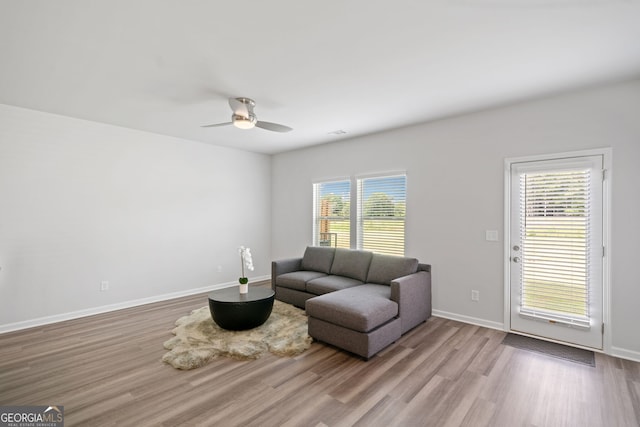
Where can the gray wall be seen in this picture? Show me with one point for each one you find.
(83, 202)
(455, 193)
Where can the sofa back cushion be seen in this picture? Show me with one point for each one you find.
(351, 263)
(318, 258)
(385, 268)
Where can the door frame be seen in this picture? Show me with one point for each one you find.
(606, 154)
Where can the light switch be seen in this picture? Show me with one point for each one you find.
(492, 235)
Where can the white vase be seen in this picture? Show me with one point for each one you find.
(244, 288)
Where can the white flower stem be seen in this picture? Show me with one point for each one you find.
(242, 262)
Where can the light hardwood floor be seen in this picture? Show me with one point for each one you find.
(106, 370)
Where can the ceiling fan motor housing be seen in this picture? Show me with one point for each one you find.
(250, 103)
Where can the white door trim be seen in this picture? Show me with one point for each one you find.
(606, 154)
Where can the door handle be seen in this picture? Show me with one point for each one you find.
(516, 259)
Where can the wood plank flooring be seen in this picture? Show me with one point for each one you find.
(106, 371)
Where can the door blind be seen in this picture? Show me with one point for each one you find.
(555, 222)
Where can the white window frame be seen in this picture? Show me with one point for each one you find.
(355, 208)
(315, 231)
(360, 208)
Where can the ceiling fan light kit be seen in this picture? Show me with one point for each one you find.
(244, 118)
(242, 122)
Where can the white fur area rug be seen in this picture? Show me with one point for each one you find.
(198, 339)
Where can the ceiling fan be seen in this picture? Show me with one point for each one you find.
(243, 117)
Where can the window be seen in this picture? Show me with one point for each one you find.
(332, 222)
(381, 213)
(378, 220)
(555, 230)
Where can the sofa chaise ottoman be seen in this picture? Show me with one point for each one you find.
(356, 300)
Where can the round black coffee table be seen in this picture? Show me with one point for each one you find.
(235, 311)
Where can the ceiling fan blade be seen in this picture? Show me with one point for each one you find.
(273, 126)
(216, 125)
(241, 108)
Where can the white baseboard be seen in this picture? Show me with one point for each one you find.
(625, 354)
(25, 324)
(468, 319)
(614, 351)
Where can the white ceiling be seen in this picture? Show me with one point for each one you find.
(362, 66)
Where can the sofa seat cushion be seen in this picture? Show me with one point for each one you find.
(351, 263)
(297, 279)
(385, 268)
(361, 308)
(330, 283)
(318, 258)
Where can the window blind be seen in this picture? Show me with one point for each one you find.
(332, 214)
(555, 222)
(381, 214)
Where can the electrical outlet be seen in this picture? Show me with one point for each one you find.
(219, 269)
(475, 296)
(104, 286)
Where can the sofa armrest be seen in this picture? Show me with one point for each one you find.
(282, 267)
(413, 295)
(424, 267)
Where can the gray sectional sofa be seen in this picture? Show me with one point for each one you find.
(356, 300)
